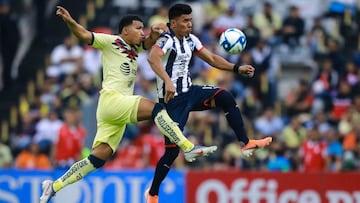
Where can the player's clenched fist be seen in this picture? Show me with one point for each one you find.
(247, 70)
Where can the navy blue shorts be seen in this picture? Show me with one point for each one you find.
(198, 98)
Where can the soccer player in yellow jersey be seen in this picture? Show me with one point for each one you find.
(117, 105)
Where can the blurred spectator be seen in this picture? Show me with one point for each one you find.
(269, 124)
(229, 19)
(350, 146)
(341, 101)
(9, 41)
(47, 131)
(317, 38)
(23, 133)
(327, 76)
(321, 122)
(278, 161)
(293, 134)
(266, 69)
(70, 140)
(87, 86)
(325, 83)
(66, 58)
(73, 95)
(149, 141)
(269, 22)
(227, 81)
(349, 30)
(32, 159)
(128, 156)
(292, 28)
(351, 75)
(252, 32)
(161, 16)
(313, 153)
(92, 60)
(337, 57)
(299, 100)
(146, 88)
(6, 158)
(232, 156)
(335, 150)
(213, 9)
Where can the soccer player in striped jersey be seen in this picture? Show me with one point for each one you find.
(117, 105)
(180, 96)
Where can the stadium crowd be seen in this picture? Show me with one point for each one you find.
(315, 121)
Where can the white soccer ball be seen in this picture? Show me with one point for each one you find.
(233, 41)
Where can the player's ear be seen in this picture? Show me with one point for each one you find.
(125, 31)
(173, 23)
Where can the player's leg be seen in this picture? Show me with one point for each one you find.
(110, 128)
(224, 100)
(148, 109)
(105, 143)
(179, 111)
(77, 171)
(163, 166)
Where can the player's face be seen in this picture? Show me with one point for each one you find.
(135, 33)
(182, 25)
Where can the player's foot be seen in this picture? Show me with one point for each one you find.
(198, 151)
(48, 191)
(252, 145)
(149, 198)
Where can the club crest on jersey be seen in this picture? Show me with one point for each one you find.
(191, 45)
(130, 53)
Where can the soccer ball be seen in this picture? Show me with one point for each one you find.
(233, 41)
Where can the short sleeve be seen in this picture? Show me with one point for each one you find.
(198, 46)
(100, 40)
(164, 43)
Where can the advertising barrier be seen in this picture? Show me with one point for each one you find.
(187, 187)
(98, 187)
(263, 187)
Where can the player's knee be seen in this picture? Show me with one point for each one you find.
(157, 108)
(225, 100)
(95, 161)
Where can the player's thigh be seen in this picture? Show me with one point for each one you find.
(115, 108)
(110, 134)
(145, 109)
(203, 97)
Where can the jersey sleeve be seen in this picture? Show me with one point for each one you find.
(164, 43)
(100, 40)
(198, 46)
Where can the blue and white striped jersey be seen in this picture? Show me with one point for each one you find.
(177, 57)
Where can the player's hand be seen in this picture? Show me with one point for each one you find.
(169, 91)
(247, 70)
(62, 12)
(157, 30)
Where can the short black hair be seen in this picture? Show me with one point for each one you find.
(179, 9)
(128, 20)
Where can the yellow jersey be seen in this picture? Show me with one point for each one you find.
(119, 61)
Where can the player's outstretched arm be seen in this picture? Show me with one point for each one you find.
(219, 62)
(78, 30)
(155, 33)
